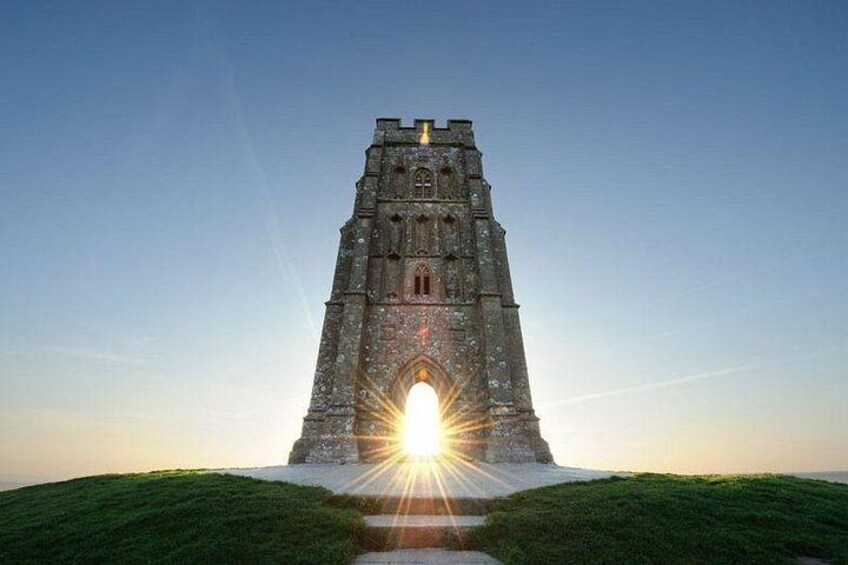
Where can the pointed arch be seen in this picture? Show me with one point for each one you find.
(422, 235)
(422, 368)
(445, 183)
(450, 234)
(397, 183)
(394, 234)
(451, 277)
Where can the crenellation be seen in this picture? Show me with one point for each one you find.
(463, 126)
(388, 124)
(457, 133)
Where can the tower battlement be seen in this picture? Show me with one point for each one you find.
(387, 124)
(392, 130)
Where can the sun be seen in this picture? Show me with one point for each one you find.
(422, 433)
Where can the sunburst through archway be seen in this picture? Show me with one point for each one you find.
(422, 432)
(419, 419)
(425, 456)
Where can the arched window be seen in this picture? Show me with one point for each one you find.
(423, 184)
(421, 282)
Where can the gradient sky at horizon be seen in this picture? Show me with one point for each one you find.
(672, 178)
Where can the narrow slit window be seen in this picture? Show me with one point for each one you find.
(421, 282)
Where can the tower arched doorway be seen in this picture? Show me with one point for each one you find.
(423, 394)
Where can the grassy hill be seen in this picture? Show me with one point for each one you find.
(188, 517)
(173, 517)
(672, 519)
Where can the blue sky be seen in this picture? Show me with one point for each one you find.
(672, 178)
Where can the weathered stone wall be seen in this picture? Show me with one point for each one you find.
(422, 211)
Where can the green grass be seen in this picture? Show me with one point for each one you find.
(189, 517)
(174, 517)
(672, 519)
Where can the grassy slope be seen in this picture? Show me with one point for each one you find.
(672, 519)
(185, 517)
(173, 517)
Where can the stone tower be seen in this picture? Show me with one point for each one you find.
(421, 292)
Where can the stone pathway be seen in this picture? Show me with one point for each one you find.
(425, 557)
(423, 521)
(457, 479)
(418, 530)
(423, 513)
